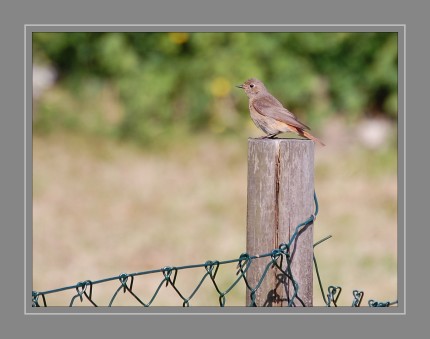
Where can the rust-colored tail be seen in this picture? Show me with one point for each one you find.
(305, 134)
(310, 136)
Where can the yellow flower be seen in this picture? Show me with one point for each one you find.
(220, 87)
(178, 37)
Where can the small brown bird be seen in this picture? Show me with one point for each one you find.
(269, 115)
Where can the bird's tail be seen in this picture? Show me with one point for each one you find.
(310, 136)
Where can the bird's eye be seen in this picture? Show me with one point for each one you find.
(252, 85)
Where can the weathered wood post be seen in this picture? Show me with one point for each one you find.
(280, 196)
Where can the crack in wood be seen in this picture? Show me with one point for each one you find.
(277, 183)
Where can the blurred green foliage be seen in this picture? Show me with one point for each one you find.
(143, 85)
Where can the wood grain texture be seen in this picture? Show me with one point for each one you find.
(280, 196)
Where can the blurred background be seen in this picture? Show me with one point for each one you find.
(140, 156)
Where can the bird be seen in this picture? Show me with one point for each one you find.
(270, 115)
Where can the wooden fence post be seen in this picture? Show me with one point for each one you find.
(280, 196)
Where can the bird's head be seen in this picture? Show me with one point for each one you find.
(252, 87)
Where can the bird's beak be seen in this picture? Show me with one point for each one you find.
(239, 86)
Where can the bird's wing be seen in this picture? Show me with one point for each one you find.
(272, 108)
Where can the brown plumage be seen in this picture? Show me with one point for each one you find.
(269, 115)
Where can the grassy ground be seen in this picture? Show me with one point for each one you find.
(101, 208)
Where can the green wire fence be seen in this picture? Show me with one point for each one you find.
(278, 258)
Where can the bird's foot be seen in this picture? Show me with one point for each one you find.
(269, 136)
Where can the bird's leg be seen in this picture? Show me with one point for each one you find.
(270, 136)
